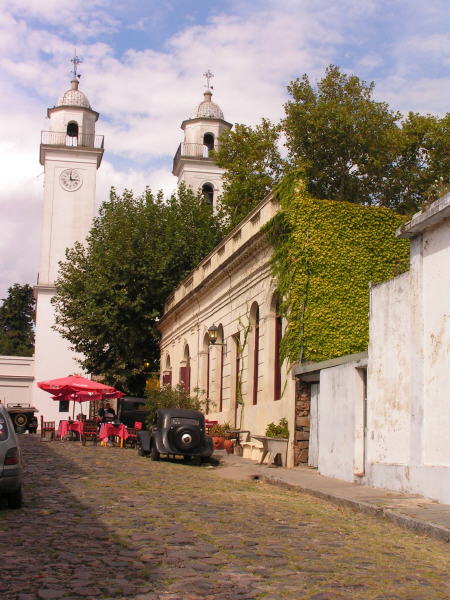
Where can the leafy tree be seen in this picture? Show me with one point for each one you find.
(349, 146)
(253, 165)
(421, 169)
(343, 138)
(111, 290)
(16, 321)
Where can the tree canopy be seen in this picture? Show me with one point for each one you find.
(349, 146)
(253, 164)
(16, 321)
(111, 290)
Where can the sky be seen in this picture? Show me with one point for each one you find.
(142, 68)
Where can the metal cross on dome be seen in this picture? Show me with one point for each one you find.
(76, 61)
(208, 75)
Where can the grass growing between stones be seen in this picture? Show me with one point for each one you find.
(171, 528)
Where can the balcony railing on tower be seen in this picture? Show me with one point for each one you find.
(82, 140)
(191, 151)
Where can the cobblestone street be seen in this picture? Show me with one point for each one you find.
(102, 523)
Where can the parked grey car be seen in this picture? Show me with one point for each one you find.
(10, 462)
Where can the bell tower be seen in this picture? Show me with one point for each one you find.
(71, 153)
(192, 163)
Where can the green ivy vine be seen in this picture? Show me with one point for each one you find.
(326, 253)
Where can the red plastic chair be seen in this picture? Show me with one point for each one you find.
(209, 424)
(132, 438)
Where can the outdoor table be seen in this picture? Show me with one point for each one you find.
(66, 426)
(109, 429)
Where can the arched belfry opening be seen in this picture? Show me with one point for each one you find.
(208, 193)
(208, 141)
(72, 133)
(72, 129)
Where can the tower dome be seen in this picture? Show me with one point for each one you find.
(208, 109)
(74, 97)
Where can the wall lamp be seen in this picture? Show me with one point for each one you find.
(213, 334)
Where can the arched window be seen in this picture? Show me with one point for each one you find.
(278, 324)
(236, 375)
(167, 373)
(254, 349)
(185, 371)
(208, 141)
(221, 361)
(72, 133)
(208, 193)
(206, 370)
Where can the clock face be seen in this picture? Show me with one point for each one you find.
(70, 179)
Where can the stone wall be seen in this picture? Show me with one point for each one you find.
(302, 425)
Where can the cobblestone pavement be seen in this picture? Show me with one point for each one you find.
(102, 523)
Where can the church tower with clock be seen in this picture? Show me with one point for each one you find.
(71, 153)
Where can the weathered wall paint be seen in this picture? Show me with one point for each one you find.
(408, 446)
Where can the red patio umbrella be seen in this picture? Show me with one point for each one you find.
(79, 389)
(74, 384)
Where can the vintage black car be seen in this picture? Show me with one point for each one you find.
(22, 416)
(176, 431)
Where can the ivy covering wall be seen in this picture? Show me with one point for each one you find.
(326, 253)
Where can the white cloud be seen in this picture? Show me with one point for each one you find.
(70, 15)
(142, 95)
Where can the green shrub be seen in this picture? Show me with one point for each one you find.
(171, 397)
(220, 430)
(278, 431)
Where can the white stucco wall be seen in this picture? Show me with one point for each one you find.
(436, 345)
(408, 446)
(389, 372)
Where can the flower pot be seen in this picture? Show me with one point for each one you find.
(229, 446)
(218, 443)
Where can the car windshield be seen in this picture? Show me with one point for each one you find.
(3, 429)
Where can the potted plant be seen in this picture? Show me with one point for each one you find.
(221, 434)
(278, 431)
